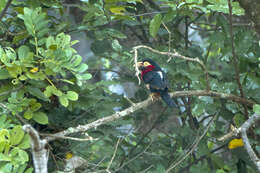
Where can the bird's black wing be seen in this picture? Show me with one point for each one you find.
(156, 80)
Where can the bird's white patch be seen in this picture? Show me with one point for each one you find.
(160, 74)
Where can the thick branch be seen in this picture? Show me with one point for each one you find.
(39, 152)
(245, 126)
(144, 104)
(247, 145)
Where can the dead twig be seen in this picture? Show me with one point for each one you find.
(111, 161)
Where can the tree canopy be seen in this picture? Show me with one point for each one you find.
(71, 97)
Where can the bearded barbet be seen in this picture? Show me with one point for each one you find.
(155, 79)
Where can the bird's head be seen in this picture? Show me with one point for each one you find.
(147, 62)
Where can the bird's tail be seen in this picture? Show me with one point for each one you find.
(168, 100)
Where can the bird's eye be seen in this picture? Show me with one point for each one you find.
(146, 63)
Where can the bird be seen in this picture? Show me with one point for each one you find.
(155, 79)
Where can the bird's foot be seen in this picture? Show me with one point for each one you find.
(155, 96)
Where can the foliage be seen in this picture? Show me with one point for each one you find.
(13, 144)
(44, 80)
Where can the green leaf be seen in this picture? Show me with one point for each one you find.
(4, 74)
(67, 81)
(238, 119)
(23, 156)
(29, 170)
(71, 95)
(116, 46)
(74, 42)
(4, 157)
(81, 68)
(256, 109)
(57, 92)
(76, 60)
(220, 171)
(52, 90)
(28, 114)
(37, 93)
(155, 25)
(23, 52)
(6, 168)
(40, 118)
(21, 168)
(86, 76)
(2, 4)
(25, 144)
(16, 135)
(64, 101)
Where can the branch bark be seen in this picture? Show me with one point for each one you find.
(144, 104)
(247, 145)
(39, 152)
(242, 130)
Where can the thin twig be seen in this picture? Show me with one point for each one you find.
(146, 169)
(201, 158)
(235, 59)
(143, 137)
(196, 142)
(130, 101)
(169, 32)
(5, 9)
(111, 161)
(148, 14)
(138, 155)
(136, 67)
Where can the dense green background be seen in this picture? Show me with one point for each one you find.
(53, 83)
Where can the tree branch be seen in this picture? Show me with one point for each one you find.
(144, 104)
(242, 129)
(247, 145)
(5, 9)
(39, 152)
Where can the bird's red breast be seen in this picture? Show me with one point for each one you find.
(147, 69)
